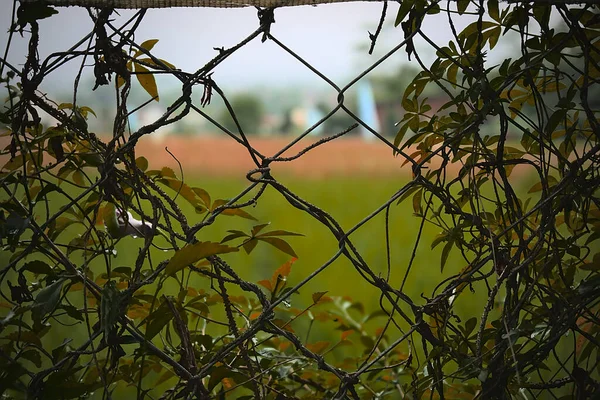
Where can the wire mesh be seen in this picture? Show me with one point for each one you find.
(516, 253)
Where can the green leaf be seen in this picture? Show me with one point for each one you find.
(142, 163)
(59, 225)
(85, 110)
(195, 252)
(452, 73)
(165, 172)
(217, 375)
(556, 118)
(417, 202)
(280, 244)
(199, 306)
(37, 267)
(111, 223)
(203, 195)
(403, 11)
(46, 300)
(257, 228)
(33, 356)
(445, 254)
(400, 135)
(470, 325)
(73, 312)
(234, 235)
(158, 319)
(110, 307)
(442, 237)
(78, 177)
(59, 352)
(165, 377)
(494, 36)
(474, 28)
(279, 233)
(147, 81)
(462, 5)
(250, 245)
(493, 10)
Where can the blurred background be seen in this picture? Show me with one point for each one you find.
(276, 99)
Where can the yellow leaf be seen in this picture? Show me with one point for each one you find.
(512, 94)
(147, 81)
(156, 65)
(110, 221)
(147, 45)
(168, 64)
(195, 252)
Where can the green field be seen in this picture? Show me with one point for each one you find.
(348, 200)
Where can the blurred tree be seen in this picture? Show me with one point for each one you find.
(338, 121)
(249, 111)
(287, 125)
(389, 87)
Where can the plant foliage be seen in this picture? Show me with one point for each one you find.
(71, 199)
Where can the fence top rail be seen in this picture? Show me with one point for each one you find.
(134, 4)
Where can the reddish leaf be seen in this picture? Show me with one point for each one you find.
(318, 347)
(316, 297)
(266, 284)
(283, 325)
(347, 333)
(284, 270)
(231, 211)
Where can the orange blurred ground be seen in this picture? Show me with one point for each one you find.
(223, 156)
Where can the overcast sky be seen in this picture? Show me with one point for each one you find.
(332, 37)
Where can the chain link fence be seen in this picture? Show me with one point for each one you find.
(534, 261)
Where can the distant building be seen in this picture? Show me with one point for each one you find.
(149, 115)
(367, 109)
